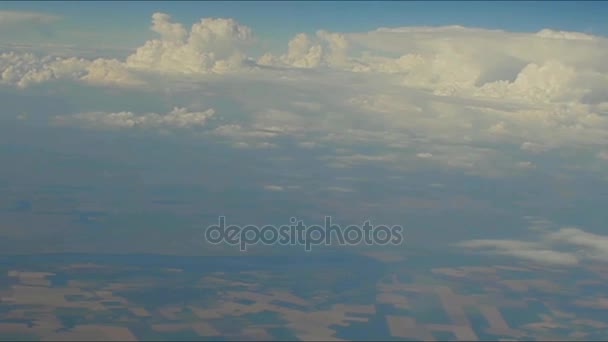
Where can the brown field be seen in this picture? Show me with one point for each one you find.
(306, 324)
(204, 329)
(165, 327)
(91, 333)
(49, 297)
(596, 303)
(406, 327)
(498, 325)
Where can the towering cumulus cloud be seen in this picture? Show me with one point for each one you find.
(451, 60)
(212, 45)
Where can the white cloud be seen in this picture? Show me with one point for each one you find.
(176, 118)
(307, 144)
(449, 91)
(532, 147)
(523, 250)
(567, 246)
(326, 49)
(526, 164)
(339, 189)
(548, 33)
(536, 83)
(26, 69)
(273, 187)
(492, 63)
(593, 246)
(110, 71)
(302, 52)
(212, 45)
(499, 128)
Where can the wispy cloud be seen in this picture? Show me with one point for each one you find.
(21, 17)
(176, 118)
(566, 246)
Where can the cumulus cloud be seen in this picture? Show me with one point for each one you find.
(176, 118)
(110, 71)
(324, 49)
(454, 92)
(542, 86)
(486, 63)
(546, 66)
(302, 52)
(212, 45)
(25, 69)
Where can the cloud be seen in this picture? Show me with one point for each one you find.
(532, 147)
(9, 18)
(499, 128)
(523, 250)
(552, 34)
(326, 49)
(592, 246)
(526, 164)
(302, 52)
(25, 69)
(176, 118)
(484, 63)
(474, 99)
(212, 45)
(567, 246)
(339, 189)
(110, 71)
(273, 188)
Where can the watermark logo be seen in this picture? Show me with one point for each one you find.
(299, 234)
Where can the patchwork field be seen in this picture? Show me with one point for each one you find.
(123, 301)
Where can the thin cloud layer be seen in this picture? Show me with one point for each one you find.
(176, 118)
(11, 18)
(567, 246)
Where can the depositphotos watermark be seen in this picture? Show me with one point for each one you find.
(297, 233)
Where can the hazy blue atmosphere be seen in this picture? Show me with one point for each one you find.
(127, 129)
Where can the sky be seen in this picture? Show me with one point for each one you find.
(122, 24)
(476, 125)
